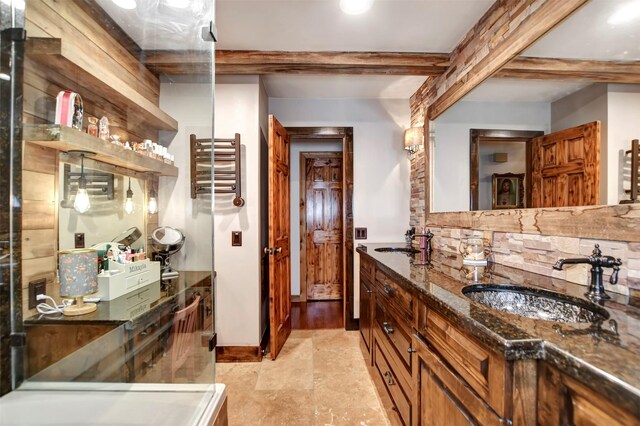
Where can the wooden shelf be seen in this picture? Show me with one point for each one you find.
(69, 62)
(65, 138)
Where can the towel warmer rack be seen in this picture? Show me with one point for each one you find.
(227, 167)
(634, 176)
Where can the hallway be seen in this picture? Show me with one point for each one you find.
(320, 378)
(316, 315)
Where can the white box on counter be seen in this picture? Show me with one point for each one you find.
(123, 278)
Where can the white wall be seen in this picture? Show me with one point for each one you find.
(237, 111)
(450, 186)
(381, 167)
(296, 177)
(517, 163)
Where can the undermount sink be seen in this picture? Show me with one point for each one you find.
(407, 250)
(535, 303)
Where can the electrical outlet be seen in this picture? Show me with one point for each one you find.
(236, 238)
(78, 237)
(35, 288)
(361, 233)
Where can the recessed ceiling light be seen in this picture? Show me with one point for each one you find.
(125, 4)
(178, 4)
(625, 13)
(355, 7)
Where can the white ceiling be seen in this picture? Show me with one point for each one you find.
(390, 25)
(513, 90)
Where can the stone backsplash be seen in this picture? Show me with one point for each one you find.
(538, 253)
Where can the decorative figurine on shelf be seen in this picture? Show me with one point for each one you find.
(69, 109)
(115, 139)
(92, 127)
(104, 129)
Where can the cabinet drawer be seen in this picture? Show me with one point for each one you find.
(396, 295)
(366, 268)
(443, 397)
(482, 369)
(398, 395)
(395, 333)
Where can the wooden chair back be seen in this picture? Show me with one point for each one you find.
(181, 340)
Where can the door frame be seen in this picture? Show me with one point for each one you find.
(476, 136)
(303, 215)
(317, 134)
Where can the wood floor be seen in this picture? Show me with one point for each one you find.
(316, 315)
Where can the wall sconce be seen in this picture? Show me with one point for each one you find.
(82, 204)
(128, 204)
(413, 139)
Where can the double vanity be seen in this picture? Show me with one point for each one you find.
(504, 347)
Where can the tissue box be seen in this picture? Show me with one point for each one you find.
(123, 278)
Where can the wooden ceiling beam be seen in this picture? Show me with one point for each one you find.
(503, 32)
(234, 62)
(246, 62)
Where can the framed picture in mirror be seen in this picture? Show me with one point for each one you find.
(508, 191)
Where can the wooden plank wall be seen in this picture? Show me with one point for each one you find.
(68, 20)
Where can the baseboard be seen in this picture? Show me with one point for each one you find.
(238, 354)
(295, 298)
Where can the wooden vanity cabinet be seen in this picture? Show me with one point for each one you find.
(562, 400)
(366, 317)
(442, 397)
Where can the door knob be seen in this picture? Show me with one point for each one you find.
(278, 249)
(267, 250)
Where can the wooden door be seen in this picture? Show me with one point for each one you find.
(566, 167)
(280, 264)
(323, 217)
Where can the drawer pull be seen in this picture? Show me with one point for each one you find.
(389, 377)
(369, 291)
(411, 350)
(387, 289)
(387, 329)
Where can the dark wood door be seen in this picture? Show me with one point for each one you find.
(280, 264)
(566, 167)
(323, 184)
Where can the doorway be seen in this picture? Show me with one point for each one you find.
(509, 147)
(322, 275)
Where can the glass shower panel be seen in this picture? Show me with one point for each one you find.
(113, 91)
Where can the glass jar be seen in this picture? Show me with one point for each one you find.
(472, 248)
(92, 127)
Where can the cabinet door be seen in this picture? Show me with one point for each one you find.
(442, 398)
(365, 312)
(563, 400)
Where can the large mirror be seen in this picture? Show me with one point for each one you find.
(488, 152)
(108, 215)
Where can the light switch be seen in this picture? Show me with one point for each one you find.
(236, 238)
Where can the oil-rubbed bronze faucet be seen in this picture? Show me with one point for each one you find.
(597, 262)
(427, 238)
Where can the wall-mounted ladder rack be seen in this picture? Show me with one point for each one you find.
(227, 167)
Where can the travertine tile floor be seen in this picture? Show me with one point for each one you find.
(320, 378)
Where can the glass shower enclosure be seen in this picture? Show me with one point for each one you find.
(100, 99)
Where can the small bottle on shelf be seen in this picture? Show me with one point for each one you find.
(92, 127)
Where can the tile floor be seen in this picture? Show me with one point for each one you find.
(320, 378)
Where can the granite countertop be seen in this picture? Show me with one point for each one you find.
(135, 306)
(598, 356)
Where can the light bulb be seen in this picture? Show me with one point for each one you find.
(128, 205)
(152, 206)
(355, 7)
(82, 203)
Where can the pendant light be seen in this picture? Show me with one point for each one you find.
(82, 203)
(128, 204)
(152, 205)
